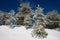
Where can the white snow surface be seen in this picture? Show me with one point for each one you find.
(20, 33)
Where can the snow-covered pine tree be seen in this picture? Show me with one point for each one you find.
(53, 19)
(39, 30)
(11, 20)
(38, 27)
(40, 16)
(2, 17)
(9, 17)
(7, 21)
(24, 11)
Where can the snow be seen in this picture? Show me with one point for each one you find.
(20, 33)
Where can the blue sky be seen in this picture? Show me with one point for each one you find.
(48, 5)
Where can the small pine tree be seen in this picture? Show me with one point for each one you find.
(39, 26)
(39, 32)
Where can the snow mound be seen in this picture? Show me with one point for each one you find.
(20, 33)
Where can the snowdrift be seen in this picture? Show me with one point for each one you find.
(20, 33)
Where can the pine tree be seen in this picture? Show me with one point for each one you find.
(23, 12)
(2, 17)
(52, 19)
(40, 16)
(39, 31)
(39, 26)
(10, 19)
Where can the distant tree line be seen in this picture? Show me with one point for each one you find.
(24, 17)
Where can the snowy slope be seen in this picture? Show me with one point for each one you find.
(20, 33)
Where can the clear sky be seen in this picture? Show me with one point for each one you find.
(49, 5)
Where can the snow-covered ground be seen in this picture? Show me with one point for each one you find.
(20, 33)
